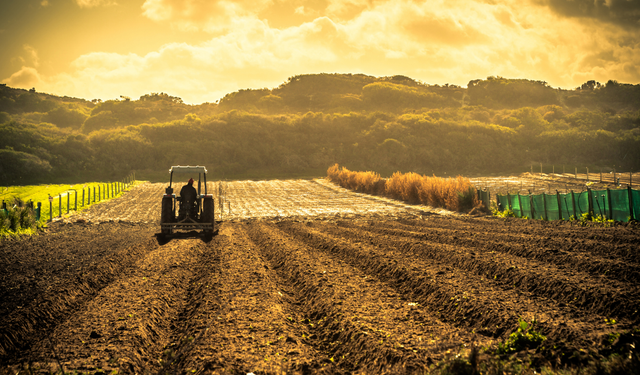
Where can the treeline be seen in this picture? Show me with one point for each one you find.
(384, 124)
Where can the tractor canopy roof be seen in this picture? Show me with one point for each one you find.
(187, 169)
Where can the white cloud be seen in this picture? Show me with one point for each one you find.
(206, 15)
(32, 55)
(93, 3)
(25, 78)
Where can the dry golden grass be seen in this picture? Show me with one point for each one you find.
(456, 194)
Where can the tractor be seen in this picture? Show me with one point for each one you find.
(194, 212)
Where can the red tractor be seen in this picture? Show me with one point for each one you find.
(195, 211)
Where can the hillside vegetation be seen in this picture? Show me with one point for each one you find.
(310, 122)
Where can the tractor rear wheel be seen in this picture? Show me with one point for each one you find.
(166, 216)
(208, 214)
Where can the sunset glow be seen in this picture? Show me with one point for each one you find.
(200, 50)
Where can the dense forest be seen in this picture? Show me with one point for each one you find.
(310, 122)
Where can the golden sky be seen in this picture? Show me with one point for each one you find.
(200, 50)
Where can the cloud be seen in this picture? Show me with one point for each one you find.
(440, 42)
(205, 15)
(618, 12)
(26, 77)
(92, 3)
(32, 55)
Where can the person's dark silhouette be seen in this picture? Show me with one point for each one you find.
(188, 196)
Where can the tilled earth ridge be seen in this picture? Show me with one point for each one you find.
(340, 292)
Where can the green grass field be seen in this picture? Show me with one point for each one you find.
(66, 197)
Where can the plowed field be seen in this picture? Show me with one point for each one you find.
(306, 277)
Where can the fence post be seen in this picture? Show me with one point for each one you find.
(587, 173)
(82, 197)
(544, 203)
(609, 202)
(614, 176)
(99, 195)
(59, 205)
(75, 205)
(573, 203)
(520, 204)
(68, 201)
(508, 200)
(50, 208)
(631, 217)
(531, 205)
(559, 205)
(590, 200)
(38, 211)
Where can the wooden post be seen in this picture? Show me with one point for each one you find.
(559, 205)
(631, 216)
(68, 204)
(82, 197)
(531, 205)
(573, 203)
(50, 209)
(99, 193)
(59, 205)
(614, 176)
(75, 205)
(544, 203)
(609, 202)
(590, 200)
(520, 204)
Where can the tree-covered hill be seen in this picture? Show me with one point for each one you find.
(313, 121)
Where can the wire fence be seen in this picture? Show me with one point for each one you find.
(73, 199)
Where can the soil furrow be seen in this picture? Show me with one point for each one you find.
(464, 300)
(127, 325)
(608, 243)
(76, 276)
(590, 295)
(561, 254)
(244, 320)
(372, 306)
(343, 316)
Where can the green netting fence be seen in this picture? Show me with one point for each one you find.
(618, 204)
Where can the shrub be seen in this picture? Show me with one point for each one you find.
(456, 194)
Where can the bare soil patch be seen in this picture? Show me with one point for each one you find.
(305, 277)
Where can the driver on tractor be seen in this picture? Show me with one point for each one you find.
(188, 201)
